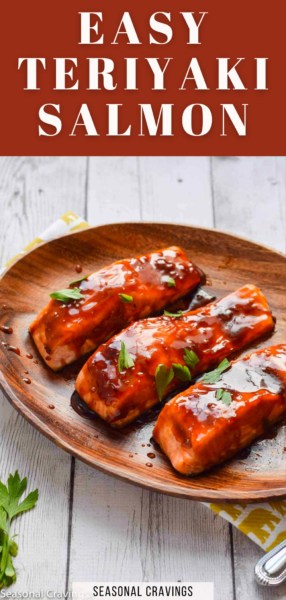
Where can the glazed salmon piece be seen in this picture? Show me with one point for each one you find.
(210, 422)
(211, 333)
(64, 331)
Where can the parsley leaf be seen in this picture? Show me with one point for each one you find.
(214, 376)
(224, 396)
(125, 298)
(219, 394)
(16, 489)
(191, 358)
(182, 372)
(163, 376)
(79, 280)
(125, 361)
(3, 518)
(174, 315)
(66, 295)
(10, 507)
(170, 281)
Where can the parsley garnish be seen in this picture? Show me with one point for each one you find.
(163, 376)
(125, 298)
(174, 315)
(191, 358)
(66, 295)
(182, 372)
(169, 281)
(10, 507)
(224, 396)
(214, 376)
(125, 361)
(79, 280)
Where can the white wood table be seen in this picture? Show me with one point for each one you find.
(89, 526)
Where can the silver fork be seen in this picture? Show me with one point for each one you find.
(271, 568)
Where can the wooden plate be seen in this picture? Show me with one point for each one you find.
(229, 263)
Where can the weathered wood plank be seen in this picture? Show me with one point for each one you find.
(113, 190)
(246, 555)
(249, 197)
(176, 190)
(33, 193)
(121, 532)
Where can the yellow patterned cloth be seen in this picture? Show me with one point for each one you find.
(265, 523)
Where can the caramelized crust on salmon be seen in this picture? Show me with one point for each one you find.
(209, 423)
(64, 331)
(212, 332)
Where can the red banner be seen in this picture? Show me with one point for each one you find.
(148, 78)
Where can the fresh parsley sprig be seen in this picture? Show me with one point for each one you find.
(79, 280)
(214, 376)
(170, 281)
(174, 315)
(125, 360)
(163, 376)
(182, 372)
(11, 507)
(68, 294)
(126, 298)
(224, 396)
(191, 358)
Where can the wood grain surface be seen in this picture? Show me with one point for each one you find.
(44, 397)
(107, 528)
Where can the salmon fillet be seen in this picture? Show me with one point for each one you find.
(112, 298)
(193, 343)
(211, 422)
